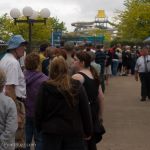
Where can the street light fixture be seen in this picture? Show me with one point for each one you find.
(31, 16)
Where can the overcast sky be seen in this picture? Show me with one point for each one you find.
(67, 11)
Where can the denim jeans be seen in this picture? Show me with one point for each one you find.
(60, 142)
(32, 133)
(115, 64)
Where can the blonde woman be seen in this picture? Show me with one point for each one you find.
(62, 111)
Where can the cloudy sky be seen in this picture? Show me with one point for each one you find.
(67, 11)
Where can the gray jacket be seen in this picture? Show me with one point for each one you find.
(8, 122)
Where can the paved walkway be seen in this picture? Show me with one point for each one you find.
(126, 118)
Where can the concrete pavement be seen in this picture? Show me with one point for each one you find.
(126, 118)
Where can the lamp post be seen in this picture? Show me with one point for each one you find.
(31, 16)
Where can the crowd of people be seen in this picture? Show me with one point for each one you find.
(45, 100)
(56, 95)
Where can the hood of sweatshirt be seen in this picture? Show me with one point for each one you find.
(32, 76)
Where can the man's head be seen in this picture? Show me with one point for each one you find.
(17, 45)
(145, 50)
(127, 47)
(43, 47)
(69, 46)
(99, 47)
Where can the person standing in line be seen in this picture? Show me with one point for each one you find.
(119, 54)
(69, 47)
(62, 111)
(50, 53)
(15, 82)
(108, 63)
(142, 68)
(34, 78)
(88, 76)
(133, 60)
(8, 118)
(127, 60)
(100, 59)
(96, 66)
(42, 52)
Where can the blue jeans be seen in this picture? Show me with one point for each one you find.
(115, 64)
(30, 133)
(60, 142)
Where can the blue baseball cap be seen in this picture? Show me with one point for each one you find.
(15, 41)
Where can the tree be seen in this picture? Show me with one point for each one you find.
(134, 20)
(40, 32)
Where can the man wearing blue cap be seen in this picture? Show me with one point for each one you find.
(15, 82)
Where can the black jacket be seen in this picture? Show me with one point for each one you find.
(100, 59)
(54, 116)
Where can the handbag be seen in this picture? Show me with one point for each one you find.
(99, 130)
(98, 127)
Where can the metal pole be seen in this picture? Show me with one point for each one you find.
(52, 39)
(30, 35)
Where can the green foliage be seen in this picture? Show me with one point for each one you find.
(126, 42)
(40, 32)
(134, 20)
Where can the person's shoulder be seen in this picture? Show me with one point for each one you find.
(47, 85)
(7, 101)
(9, 56)
(10, 60)
(45, 77)
(94, 64)
(42, 57)
(46, 61)
(78, 77)
(41, 75)
(75, 82)
(139, 58)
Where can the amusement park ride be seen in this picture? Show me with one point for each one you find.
(81, 32)
(100, 22)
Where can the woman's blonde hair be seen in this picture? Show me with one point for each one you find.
(60, 78)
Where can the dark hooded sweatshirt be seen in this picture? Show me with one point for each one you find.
(53, 114)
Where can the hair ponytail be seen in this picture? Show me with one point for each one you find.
(95, 74)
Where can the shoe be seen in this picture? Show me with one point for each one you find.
(143, 99)
(124, 74)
